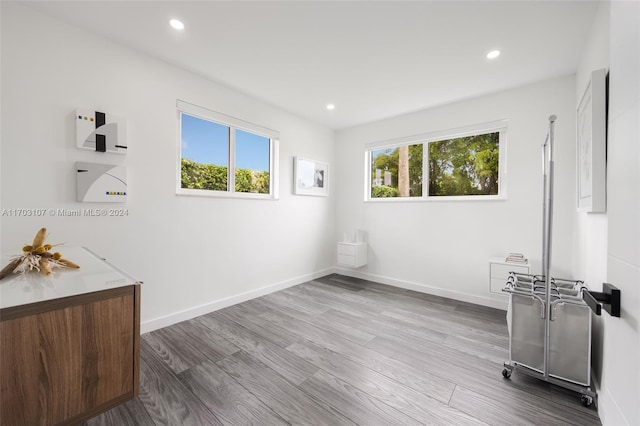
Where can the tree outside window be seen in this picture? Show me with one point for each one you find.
(205, 153)
(463, 166)
(397, 172)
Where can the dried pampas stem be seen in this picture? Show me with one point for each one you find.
(68, 263)
(7, 270)
(37, 257)
(45, 267)
(38, 240)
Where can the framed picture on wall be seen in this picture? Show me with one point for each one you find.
(592, 145)
(310, 177)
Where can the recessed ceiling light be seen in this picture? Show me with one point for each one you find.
(331, 107)
(493, 54)
(178, 25)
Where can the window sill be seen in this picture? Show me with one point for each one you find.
(437, 199)
(223, 194)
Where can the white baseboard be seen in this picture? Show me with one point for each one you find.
(608, 410)
(595, 386)
(424, 288)
(187, 314)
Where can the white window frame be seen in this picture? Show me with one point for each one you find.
(234, 124)
(426, 138)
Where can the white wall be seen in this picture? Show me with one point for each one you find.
(192, 253)
(620, 387)
(443, 247)
(590, 236)
(591, 228)
(607, 246)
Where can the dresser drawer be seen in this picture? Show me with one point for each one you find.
(499, 272)
(502, 271)
(352, 255)
(347, 249)
(346, 260)
(497, 285)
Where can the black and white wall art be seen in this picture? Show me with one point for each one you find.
(311, 177)
(101, 183)
(100, 131)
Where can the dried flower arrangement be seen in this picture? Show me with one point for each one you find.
(37, 257)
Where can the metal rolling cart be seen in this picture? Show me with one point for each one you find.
(549, 319)
(558, 350)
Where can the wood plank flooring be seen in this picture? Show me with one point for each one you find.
(340, 351)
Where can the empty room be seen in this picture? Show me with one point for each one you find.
(320, 212)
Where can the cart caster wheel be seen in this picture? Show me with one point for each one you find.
(506, 373)
(586, 400)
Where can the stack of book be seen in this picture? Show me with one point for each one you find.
(516, 258)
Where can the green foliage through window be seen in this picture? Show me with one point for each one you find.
(214, 178)
(206, 148)
(384, 191)
(397, 172)
(464, 166)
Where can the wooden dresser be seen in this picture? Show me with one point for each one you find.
(69, 343)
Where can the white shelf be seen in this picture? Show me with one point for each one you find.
(499, 271)
(353, 255)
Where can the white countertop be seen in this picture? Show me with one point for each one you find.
(95, 274)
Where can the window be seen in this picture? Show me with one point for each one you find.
(466, 163)
(204, 152)
(397, 172)
(225, 156)
(252, 162)
(464, 166)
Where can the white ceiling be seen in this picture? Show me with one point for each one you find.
(372, 59)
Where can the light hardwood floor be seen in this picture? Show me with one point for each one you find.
(340, 351)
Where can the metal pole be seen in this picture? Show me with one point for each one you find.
(547, 222)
